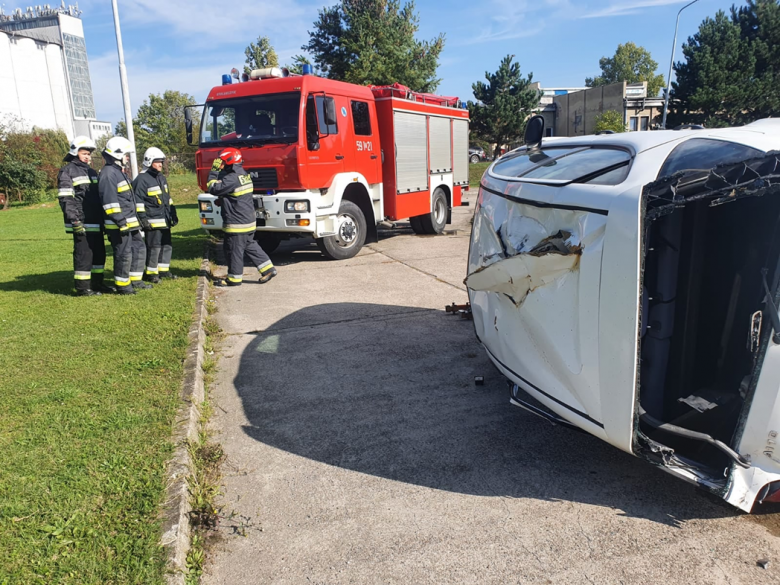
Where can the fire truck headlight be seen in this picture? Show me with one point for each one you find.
(206, 206)
(296, 206)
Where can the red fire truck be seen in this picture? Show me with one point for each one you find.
(331, 160)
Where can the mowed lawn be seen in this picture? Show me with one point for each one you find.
(476, 170)
(88, 392)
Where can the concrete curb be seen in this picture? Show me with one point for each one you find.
(176, 521)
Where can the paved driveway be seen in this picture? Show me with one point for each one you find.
(360, 450)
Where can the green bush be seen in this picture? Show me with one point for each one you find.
(610, 120)
(29, 163)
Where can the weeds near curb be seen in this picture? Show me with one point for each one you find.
(207, 458)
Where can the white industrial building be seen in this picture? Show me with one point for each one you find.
(44, 73)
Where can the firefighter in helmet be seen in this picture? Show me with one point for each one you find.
(151, 190)
(123, 216)
(78, 195)
(230, 182)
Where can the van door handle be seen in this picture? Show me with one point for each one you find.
(373, 156)
(339, 156)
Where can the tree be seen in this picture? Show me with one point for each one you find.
(631, 64)
(503, 104)
(610, 120)
(717, 84)
(160, 122)
(373, 42)
(260, 55)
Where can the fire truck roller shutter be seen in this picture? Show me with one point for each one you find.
(411, 144)
(460, 152)
(440, 140)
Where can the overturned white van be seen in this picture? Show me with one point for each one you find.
(629, 283)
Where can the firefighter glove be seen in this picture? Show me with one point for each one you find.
(217, 164)
(122, 226)
(78, 228)
(174, 216)
(145, 223)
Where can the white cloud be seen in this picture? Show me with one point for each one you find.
(143, 80)
(629, 7)
(514, 19)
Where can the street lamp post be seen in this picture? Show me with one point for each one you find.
(125, 90)
(671, 64)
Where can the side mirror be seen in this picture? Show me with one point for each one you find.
(188, 124)
(330, 111)
(534, 131)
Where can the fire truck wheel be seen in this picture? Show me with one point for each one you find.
(433, 222)
(268, 242)
(350, 234)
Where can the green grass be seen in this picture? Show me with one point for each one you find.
(88, 392)
(476, 171)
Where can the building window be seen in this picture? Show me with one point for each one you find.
(633, 124)
(78, 71)
(644, 123)
(361, 120)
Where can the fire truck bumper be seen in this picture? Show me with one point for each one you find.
(286, 212)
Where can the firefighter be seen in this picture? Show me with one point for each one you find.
(123, 216)
(230, 182)
(78, 195)
(151, 190)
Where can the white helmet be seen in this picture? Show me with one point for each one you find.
(152, 154)
(117, 147)
(81, 143)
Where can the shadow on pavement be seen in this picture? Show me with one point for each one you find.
(389, 391)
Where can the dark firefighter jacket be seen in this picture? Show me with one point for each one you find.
(151, 191)
(117, 199)
(78, 194)
(234, 186)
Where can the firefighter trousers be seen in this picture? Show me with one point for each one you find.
(158, 251)
(129, 256)
(240, 246)
(89, 259)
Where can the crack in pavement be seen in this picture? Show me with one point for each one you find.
(336, 322)
(420, 270)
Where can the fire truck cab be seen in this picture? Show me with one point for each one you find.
(330, 160)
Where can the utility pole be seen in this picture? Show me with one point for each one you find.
(671, 64)
(125, 90)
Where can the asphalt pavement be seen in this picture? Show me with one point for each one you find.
(360, 449)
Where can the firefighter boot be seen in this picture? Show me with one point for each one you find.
(169, 275)
(125, 290)
(87, 292)
(140, 285)
(267, 274)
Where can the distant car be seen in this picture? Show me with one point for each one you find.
(629, 283)
(477, 154)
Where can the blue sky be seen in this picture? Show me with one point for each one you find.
(187, 44)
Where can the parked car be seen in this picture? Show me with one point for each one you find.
(628, 284)
(477, 154)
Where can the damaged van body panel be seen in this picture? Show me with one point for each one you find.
(624, 305)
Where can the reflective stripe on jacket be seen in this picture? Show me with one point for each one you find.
(151, 191)
(78, 195)
(118, 200)
(234, 185)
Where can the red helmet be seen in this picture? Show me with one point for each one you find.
(231, 156)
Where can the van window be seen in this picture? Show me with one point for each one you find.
(361, 120)
(596, 166)
(703, 154)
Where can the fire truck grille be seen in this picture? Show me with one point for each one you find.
(264, 178)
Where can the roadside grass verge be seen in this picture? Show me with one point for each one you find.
(476, 170)
(89, 389)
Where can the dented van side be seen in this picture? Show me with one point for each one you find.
(574, 288)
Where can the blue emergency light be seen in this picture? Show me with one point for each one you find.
(307, 69)
(226, 80)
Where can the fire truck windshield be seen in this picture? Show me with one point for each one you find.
(264, 119)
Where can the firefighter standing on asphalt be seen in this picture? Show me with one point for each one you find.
(78, 195)
(230, 182)
(123, 216)
(151, 190)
